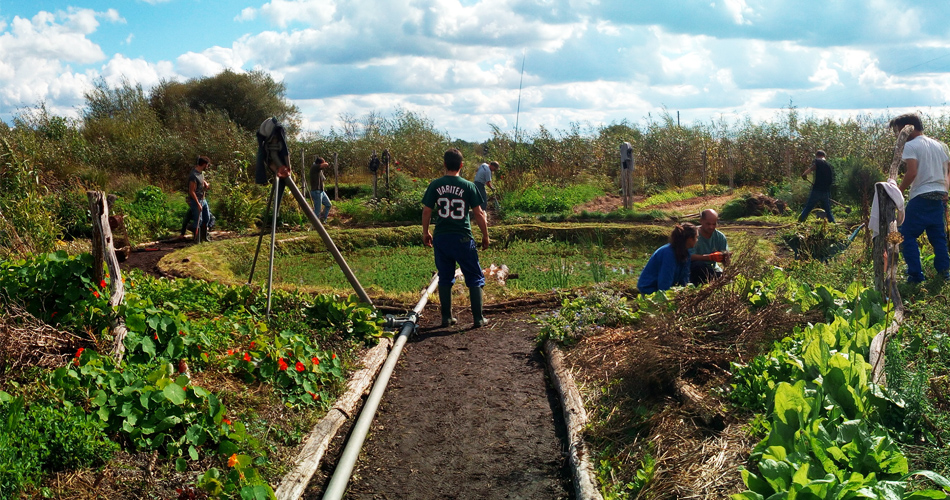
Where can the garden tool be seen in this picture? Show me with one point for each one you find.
(495, 197)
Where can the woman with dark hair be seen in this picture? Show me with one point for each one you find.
(669, 264)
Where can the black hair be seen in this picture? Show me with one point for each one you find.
(907, 119)
(678, 237)
(202, 160)
(453, 160)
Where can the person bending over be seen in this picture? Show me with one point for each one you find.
(669, 264)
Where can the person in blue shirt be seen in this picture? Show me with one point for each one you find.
(669, 264)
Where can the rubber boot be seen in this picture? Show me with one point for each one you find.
(445, 303)
(476, 295)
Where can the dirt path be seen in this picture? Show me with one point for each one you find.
(468, 414)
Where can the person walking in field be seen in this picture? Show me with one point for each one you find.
(820, 188)
(318, 193)
(197, 203)
(711, 250)
(928, 176)
(483, 178)
(450, 198)
(669, 264)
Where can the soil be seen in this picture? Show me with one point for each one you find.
(468, 414)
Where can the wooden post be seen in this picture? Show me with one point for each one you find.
(336, 178)
(102, 249)
(705, 165)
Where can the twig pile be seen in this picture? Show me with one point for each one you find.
(27, 341)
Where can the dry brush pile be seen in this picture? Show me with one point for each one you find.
(655, 387)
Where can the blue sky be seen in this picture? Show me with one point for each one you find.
(587, 62)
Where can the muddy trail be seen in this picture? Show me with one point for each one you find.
(468, 414)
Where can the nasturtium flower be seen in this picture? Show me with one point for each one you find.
(233, 460)
(334, 356)
(316, 361)
(95, 293)
(102, 284)
(247, 356)
(225, 420)
(252, 344)
(78, 354)
(300, 367)
(230, 352)
(313, 395)
(281, 364)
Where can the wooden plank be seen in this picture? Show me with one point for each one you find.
(575, 419)
(293, 485)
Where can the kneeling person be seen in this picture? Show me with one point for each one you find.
(710, 252)
(450, 198)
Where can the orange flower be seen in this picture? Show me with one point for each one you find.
(300, 367)
(232, 461)
(334, 356)
(281, 364)
(313, 395)
(230, 352)
(102, 284)
(247, 356)
(316, 361)
(95, 293)
(226, 421)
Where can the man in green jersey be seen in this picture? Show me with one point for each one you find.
(711, 250)
(450, 198)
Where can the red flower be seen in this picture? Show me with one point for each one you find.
(181, 332)
(252, 344)
(78, 354)
(232, 460)
(300, 367)
(53, 315)
(226, 421)
(230, 352)
(281, 364)
(334, 356)
(156, 336)
(247, 356)
(313, 395)
(95, 293)
(102, 284)
(315, 360)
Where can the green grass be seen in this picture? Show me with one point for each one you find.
(540, 266)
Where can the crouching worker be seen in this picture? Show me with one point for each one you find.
(450, 198)
(711, 250)
(669, 264)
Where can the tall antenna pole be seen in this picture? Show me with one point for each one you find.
(520, 84)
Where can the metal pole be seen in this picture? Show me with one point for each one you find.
(260, 238)
(273, 240)
(308, 211)
(344, 468)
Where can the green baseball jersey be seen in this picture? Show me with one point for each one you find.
(451, 197)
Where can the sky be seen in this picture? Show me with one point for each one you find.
(469, 65)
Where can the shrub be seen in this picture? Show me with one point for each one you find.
(46, 437)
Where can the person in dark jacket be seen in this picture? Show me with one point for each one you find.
(669, 264)
(318, 192)
(820, 189)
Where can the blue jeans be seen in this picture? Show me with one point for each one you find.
(200, 216)
(816, 197)
(321, 198)
(925, 215)
(454, 247)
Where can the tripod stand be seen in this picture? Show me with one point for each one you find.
(272, 153)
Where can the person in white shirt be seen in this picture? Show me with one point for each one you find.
(928, 175)
(483, 178)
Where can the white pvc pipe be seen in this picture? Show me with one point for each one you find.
(344, 468)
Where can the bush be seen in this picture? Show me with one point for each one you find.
(47, 437)
(151, 214)
(551, 199)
